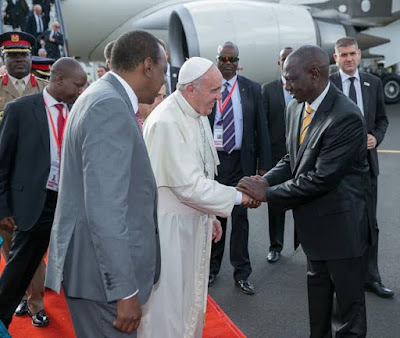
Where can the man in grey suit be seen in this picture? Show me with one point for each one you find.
(104, 245)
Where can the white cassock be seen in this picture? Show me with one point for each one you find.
(184, 160)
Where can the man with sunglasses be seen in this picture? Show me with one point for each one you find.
(241, 138)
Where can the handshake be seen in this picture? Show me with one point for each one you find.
(254, 191)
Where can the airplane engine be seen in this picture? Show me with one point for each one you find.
(260, 30)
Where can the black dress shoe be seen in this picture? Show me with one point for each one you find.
(211, 279)
(273, 256)
(379, 289)
(245, 286)
(22, 308)
(40, 319)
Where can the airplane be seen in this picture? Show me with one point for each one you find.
(261, 28)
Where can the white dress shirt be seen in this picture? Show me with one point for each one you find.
(51, 108)
(237, 111)
(317, 102)
(357, 85)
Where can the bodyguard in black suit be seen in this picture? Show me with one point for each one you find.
(35, 25)
(16, 13)
(52, 39)
(27, 194)
(324, 178)
(366, 91)
(275, 99)
(250, 142)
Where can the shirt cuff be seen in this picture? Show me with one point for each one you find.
(133, 294)
(239, 197)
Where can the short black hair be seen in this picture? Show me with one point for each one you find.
(132, 48)
(64, 66)
(107, 50)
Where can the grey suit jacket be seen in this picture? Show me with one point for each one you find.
(104, 243)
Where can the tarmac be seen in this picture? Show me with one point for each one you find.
(279, 307)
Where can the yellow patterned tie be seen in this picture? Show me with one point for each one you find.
(306, 123)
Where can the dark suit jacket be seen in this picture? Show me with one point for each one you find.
(374, 111)
(52, 48)
(274, 108)
(31, 27)
(174, 72)
(24, 160)
(16, 13)
(325, 180)
(255, 142)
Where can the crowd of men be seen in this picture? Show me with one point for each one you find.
(36, 22)
(133, 193)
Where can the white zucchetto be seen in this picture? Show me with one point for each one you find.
(192, 69)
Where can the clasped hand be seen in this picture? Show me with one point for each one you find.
(254, 188)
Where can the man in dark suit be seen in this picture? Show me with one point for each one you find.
(35, 25)
(241, 138)
(171, 76)
(51, 40)
(366, 91)
(275, 100)
(30, 142)
(15, 13)
(324, 178)
(46, 7)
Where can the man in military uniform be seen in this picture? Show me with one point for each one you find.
(41, 66)
(19, 81)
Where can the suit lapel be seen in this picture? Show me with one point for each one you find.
(279, 91)
(295, 128)
(319, 117)
(365, 89)
(337, 80)
(243, 90)
(41, 119)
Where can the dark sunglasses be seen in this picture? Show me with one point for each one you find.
(231, 59)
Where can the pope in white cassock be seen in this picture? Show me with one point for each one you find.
(184, 160)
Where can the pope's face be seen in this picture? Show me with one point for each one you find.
(207, 92)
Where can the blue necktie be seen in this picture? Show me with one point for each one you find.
(228, 123)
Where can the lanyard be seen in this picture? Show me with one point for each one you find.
(222, 108)
(58, 140)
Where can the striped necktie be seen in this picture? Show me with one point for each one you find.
(306, 123)
(228, 123)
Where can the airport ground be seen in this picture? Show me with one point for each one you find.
(279, 307)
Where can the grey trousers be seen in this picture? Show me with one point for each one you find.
(93, 319)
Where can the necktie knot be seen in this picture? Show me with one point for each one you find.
(352, 79)
(309, 110)
(59, 107)
(20, 86)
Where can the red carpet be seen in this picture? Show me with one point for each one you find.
(218, 324)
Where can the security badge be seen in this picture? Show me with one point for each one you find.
(218, 136)
(54, 176)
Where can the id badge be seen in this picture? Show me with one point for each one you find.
(218, 136)
(54, 176)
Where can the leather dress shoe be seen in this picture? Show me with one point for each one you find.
(379, 289)
(211, 279)
(273, 256)
(245, 286)
(22, 308)
(40, 319)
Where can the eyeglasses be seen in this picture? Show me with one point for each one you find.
(231, 59)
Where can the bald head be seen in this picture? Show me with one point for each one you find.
(306, 71)
(67, 80)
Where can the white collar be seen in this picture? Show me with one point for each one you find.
(345, 76)
(316, 103)
(131, 94)
(231, 81)
(50, 100)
